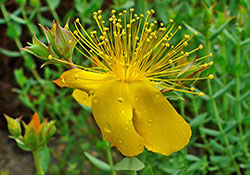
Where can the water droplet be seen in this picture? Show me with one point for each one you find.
(107, 128)
(157, 95)
(63, 81)
(120, 99)
(126, 127)
(76, 76)
(136, 98)
(127, 147)
(123, 111)
(120, 141)
(95, 100)
(140, 147)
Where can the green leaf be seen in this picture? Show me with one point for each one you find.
(230, 37)
(55, 3)
(191, 29)
(129, 164)
(245, 42)
(220, 29)
(98, 163)
(20, 77)
(22, 145)
(14, 30)
(210, 132)
(148, 171)
(198, 120)
(224, 89)
(192, 157)
(220, 159)
(10, 53)
(17, 19)
(44, 157)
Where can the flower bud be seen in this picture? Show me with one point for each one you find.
(13, 126)
(60, 41)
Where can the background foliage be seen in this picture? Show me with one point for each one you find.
(220, 120)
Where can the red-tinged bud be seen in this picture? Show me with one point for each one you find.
(13, 126)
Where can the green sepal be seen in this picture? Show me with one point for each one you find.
(21, 144)
(62, 37)
(13, 126)
(31, 139)
(37, 48)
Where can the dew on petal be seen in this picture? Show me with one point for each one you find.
(120, 141)
(120, 99)
(95, 100)
(107, 128)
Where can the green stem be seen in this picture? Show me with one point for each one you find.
(53, 12)
(238, 101)
(110, 160)
(39, 168)
(26, 19)
(133, 173)
(217, 117)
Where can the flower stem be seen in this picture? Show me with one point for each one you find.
(133, 173)
(110, 160)
(238, 101)
(39, 168)
(217, 117)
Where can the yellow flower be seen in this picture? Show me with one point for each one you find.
(134, 62)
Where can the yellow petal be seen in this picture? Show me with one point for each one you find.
(113, 114)
(163, 129)
(81, 79)
(82, 97)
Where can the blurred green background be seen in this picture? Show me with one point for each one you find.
(220, 120)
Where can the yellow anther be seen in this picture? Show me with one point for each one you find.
(186, 36)
(195, 33)
(148, 13)
(182, 52)
(171, 20)
(205, 65)
(66, 26)
(200, 46)
(179, 27)
(75, 32)
(128, 25)
(161, 24)
(135, 15)
(152, 25)
(211, 63)
(131, 10)
(155, 21)
(137, 38)
(148, 40)
(94, 13)
(113, 11)
(70, 41)
(185, 43)
(124, 11)
(141, 15)
(77, 20)
(211, 76)
(186, 54)
(192, 89)
(152, 11)
(210, 54)
(50, 57)
(170, 61)
(120, 14)
(99, 11)
(100, 17)
(167, 44)
(201, 94)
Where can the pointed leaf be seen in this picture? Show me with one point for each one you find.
(230, 37)
(245, 42)
(98, 163)
(129, 164)
(220, 29)
(44, 157)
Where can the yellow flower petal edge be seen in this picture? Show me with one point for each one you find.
(82, 97)
(163, 129)
(113, 113)
(81, 79)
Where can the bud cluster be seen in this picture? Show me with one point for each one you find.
(36, 134)
(60, 40)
